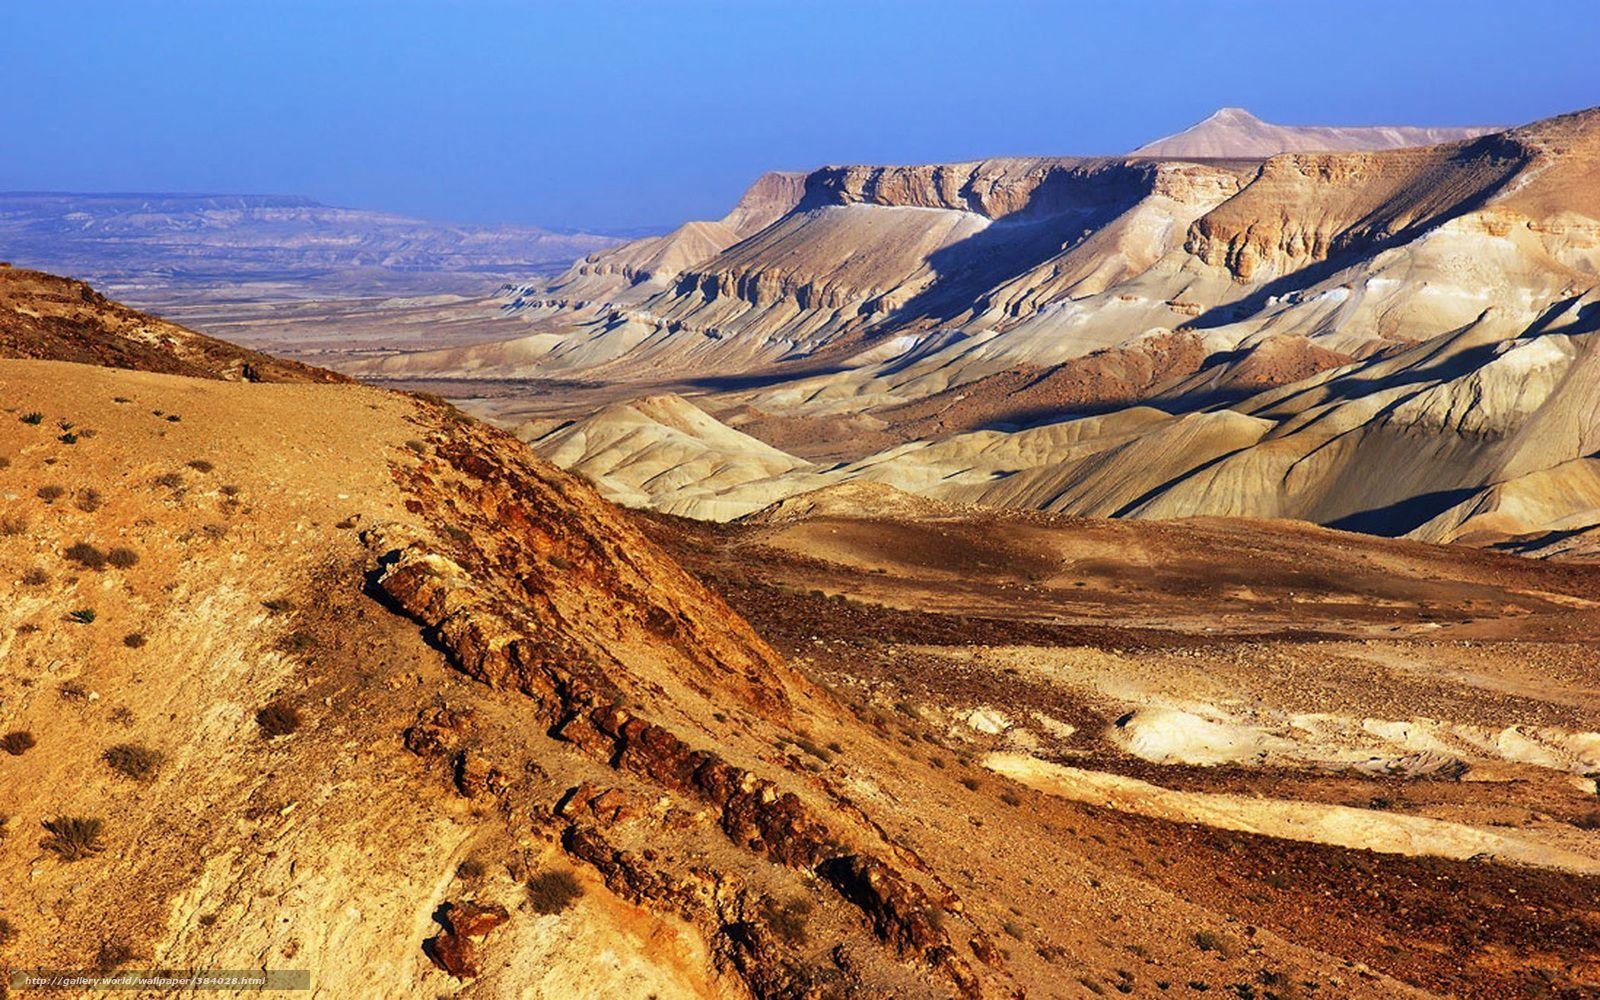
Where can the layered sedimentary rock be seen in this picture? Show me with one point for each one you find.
(1292, 322)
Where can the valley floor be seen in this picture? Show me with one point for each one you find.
(1377, 750)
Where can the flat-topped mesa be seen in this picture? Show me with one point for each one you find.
(990, 188)
(839, 253)
(1013, 186)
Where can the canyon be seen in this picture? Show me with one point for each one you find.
(1166, 574)
(306, 674)
(1135, 337)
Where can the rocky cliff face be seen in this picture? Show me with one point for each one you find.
(1302, 209)
(766, 201)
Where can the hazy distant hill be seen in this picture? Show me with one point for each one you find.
(154, 249)
(1235, 132)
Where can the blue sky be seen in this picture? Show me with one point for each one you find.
(615, 115)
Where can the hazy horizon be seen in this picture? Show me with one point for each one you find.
(612, 117)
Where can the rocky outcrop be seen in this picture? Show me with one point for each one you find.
(1303, 208)
(500, 620)
(465, 925)
(766, 201)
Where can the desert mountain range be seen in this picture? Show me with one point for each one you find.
(1158, 336)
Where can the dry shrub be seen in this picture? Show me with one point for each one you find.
(554, 891)
(122, 558)
(13, 526)
(36, 577)
(789, 920)
(86, 555)
(278, 719)
(200, 465)
(17, 742)
(1212, 941)
(114, 953)
(298, 641)
(134, 760)
(134, 640)
(73, 838)
(50, 494)
(90, 500)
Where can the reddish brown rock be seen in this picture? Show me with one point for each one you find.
(474, 920)
(465, 924)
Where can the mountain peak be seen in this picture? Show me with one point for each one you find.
(1235, 132)
(1232, 116)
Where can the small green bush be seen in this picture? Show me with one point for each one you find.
(73, 838)
(34, 418)
(83, 616)
(68, 438)
(554, 891)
